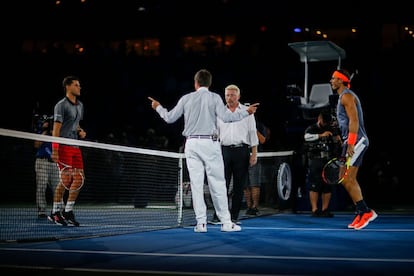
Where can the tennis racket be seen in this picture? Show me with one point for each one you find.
(336, 170)
(70, 178)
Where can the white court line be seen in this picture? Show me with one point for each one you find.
(261, 257)
(316, 229)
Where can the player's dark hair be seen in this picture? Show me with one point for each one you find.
(345, 72)
(68, 81)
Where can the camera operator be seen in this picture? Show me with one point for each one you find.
(322, 143)
(47, 173)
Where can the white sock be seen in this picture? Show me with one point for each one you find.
(57, 207)
(69, 206)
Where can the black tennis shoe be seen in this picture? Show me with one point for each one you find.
(70, 218)
(252, 212)
(326, 214)
(57, 218)
(316, 213)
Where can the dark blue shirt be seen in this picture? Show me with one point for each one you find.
(44, 151)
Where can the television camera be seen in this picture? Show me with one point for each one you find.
(38, 123)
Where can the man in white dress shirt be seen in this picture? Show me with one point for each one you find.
(239, 147)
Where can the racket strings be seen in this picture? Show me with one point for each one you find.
(72, 179)
(331, 173)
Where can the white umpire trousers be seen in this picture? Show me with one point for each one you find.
(204, 158)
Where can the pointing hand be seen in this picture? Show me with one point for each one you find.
(154, 103)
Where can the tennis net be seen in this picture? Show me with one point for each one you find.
(126, 190)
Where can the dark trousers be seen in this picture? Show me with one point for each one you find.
(236, 165)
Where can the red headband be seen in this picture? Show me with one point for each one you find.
(341, 76)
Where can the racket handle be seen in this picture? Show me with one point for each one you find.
(359, 147)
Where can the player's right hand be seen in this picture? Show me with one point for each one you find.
(154, 103)
(252, 108)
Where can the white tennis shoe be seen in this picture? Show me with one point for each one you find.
(200, 228)
(230, 227)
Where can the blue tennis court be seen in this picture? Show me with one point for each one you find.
(278, 244)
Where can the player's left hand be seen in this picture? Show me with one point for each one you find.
(81, 133)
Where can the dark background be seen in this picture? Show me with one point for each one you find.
(115, 86)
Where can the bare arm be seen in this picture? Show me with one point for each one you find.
(56, 133)
(348, 101)
(253, 156)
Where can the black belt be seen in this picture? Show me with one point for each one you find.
(236, 146)
(212, 137)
